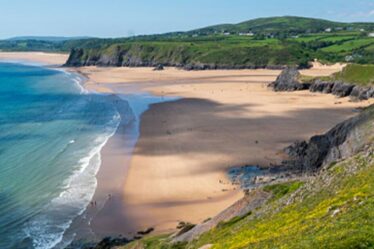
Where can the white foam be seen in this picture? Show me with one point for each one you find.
(79, 189)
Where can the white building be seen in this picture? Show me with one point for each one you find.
(371, 34)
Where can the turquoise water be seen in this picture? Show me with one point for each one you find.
(51, 133)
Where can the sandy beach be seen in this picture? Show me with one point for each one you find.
(47, 59)
(222, 119)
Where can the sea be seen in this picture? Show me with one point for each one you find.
(51, 134)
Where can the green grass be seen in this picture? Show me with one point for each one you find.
(280, 190)
(349, 45)
(335, 210)
(357, 74)
(361, 75)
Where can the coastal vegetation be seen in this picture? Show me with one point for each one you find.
(334, 210)
(357, 74)
(360, 76)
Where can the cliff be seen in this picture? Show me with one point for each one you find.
(190, 55)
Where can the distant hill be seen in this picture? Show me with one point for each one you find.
(273, 42)
(283, 24)
(47, 38)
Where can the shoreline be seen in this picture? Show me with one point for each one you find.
(223, 119)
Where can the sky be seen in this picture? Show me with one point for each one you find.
(120, 18)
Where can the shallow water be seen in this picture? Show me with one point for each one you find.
(51, 134)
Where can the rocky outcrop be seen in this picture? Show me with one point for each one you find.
(288, 81)
(343, 141)
(342, 89)
(321, 86)
(159, 67)
(336, 88)
(362, 93)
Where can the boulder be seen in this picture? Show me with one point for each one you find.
(321, 86)
(288, 81)
(342, 89)
(360, 93)
(159, 67)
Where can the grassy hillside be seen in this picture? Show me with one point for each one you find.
(358, 74)
(335, 210)
(284, 24)
(362, 75)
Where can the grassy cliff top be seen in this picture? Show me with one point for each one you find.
(361, 75)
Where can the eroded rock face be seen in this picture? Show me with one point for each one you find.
(342, 89)
(344, 140)
(321, 86)
(288, 81)
(362, 93)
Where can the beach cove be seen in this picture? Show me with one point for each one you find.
(217, 120)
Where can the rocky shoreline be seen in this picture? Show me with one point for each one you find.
(289, 81)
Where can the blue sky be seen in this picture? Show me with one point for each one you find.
(118, 18)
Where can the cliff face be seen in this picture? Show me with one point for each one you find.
(343, 141)
(187, 55)
(342, 89)
(288, 80)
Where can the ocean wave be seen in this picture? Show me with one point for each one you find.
(47, 229)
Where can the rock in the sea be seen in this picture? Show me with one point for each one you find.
(159, 67)
(288, 81)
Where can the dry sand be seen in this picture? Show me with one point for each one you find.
(223, 118)
(49, 59)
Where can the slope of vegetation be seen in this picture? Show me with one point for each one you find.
(335, 210)
(361, 75)
(357, 74)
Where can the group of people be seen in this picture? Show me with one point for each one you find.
(94, 203)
